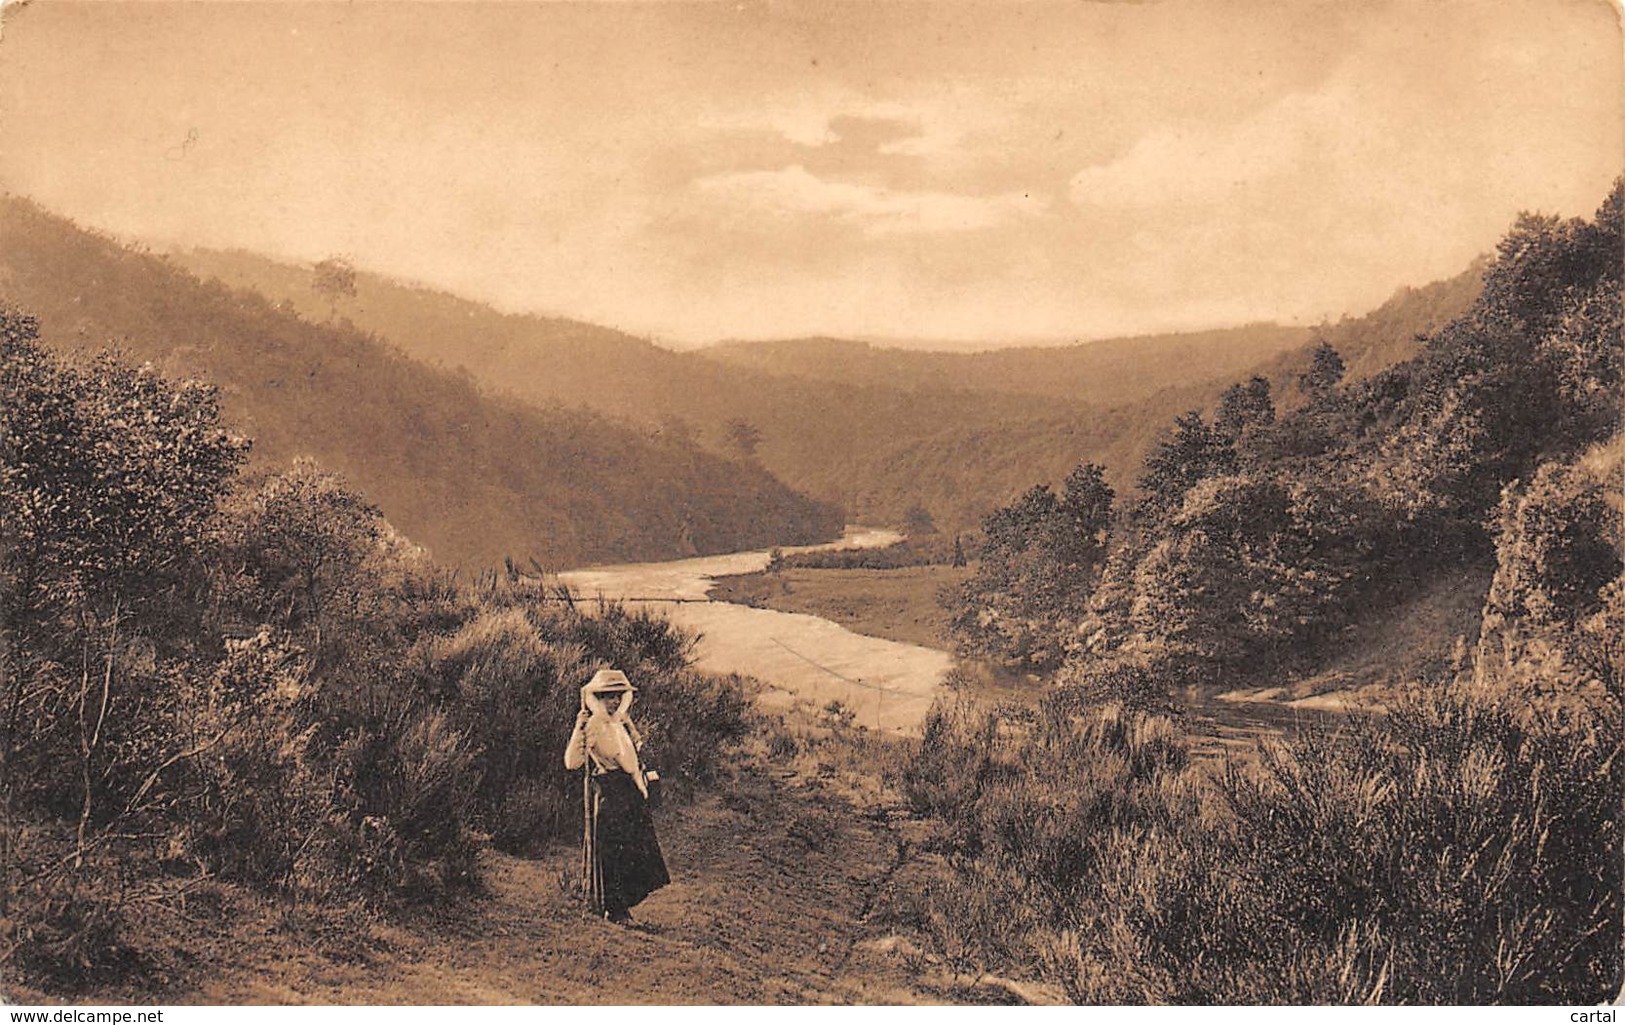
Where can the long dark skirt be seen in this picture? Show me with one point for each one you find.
(628, 855)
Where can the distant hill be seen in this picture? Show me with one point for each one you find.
(875, 430)
(1390, 333)
(812, 432)
(1120, 371)
(1135, 387)
(953, 472)
(1111, 372)
(470, 475)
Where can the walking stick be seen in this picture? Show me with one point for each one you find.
(590, 883)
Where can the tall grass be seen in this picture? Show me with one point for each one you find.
(1461, 849)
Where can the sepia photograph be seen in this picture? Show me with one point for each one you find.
(811, 503)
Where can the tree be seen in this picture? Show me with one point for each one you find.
(1325, 370)
(1185, 456)
(334, 280)
(109, 476)
(109, 479)
(1086, 509)
(302, 539)
(1041, 558)
(743, 436)
(1243, 408)
(917, 521)
(1565, 537)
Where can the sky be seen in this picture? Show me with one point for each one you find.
(959, 174)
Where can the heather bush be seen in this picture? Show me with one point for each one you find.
(1036, 809)
(254, 799)
(261, 682)
(1464, 848)
(511, 692)
(509, 675)
(1475, 843)
(62, 915)
(689, 721)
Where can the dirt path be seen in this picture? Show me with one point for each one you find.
(780, 881)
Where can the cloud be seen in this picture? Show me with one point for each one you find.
(1200, 166)
(929, 141)
(803, 126)
(924, 129)
(877, 211)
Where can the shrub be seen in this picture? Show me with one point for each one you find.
(276, 691)
(254, 800)
(1459, 850)
(689, 722)
(512, 695)
(1475, 847)
(62, 915)
(400, 823)
(925, 550)
(510, 677)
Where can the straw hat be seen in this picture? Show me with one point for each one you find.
(608, 681)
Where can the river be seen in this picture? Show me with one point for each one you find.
(888, 686)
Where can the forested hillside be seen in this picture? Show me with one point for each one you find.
(471, 475)
(1257, 534)
(878, 431)
(961, 473)
(811, 434)
(1131, 388)
(877, 435)
(1463, 845)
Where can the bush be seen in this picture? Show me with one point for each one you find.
(509, 679)
(924, 550)
(1476, 849)
(513, 695)
(63, 916)
(255, 799)
(1459, 850)
(399, 825)
(1041, 557)
(270, 686)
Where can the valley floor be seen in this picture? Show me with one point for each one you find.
(896, 604)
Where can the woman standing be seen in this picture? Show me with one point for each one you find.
(621, 857)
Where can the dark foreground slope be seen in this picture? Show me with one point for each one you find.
(471, 476)
(1461, 847)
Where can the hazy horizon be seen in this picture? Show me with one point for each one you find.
(907, 342)
(958, 175)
